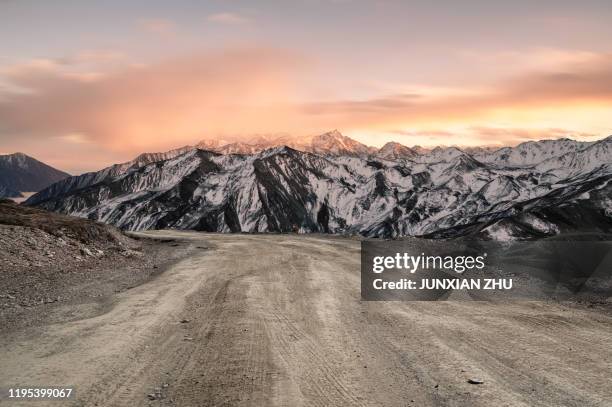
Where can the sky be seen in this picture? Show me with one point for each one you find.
(86, 84)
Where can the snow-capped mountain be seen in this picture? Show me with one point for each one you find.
(21, 173)
(531, 152)
(394, 151)
(334, 143)
(331, 143)
(593, 156)
(350, 189)
(441, 154)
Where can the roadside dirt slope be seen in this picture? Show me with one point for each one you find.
(54, 267)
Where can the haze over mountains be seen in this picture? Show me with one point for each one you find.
(331, 143)
(331, 183)
(21, 173)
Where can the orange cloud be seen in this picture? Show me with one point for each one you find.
(57, 105)
(578, 86)
(156, 106)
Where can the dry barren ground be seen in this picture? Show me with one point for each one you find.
(276, 320)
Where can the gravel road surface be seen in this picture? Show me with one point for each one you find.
(276, 320)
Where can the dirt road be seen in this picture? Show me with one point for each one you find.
(277, 320)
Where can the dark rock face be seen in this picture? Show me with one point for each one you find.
(21, 173)
(442, 193)
(6, 192)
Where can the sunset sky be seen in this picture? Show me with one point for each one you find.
(85, 85)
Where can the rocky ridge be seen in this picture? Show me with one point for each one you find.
(350, 189)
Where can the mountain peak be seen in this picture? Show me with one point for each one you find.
(22, 173)
(19, 159)
(211, 143)
(335, 133)
(16, 156)
(336, 143)
(394, 150)
(333, 136)
(332, 142)
(280, 188)
(420, 150)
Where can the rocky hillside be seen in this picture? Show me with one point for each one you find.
(84, 232)
(48, 260)
(444, 192)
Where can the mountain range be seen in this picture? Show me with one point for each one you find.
(333, 184)
(331, 143)
(21, 173)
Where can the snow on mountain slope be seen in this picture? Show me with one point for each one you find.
(531, 152)
(211, 144)
(147, 158)
(595, 155)
(444, 193)
(440, 154)
(90, 178)
(421, 150)
(394, 151)
(238, 148)
(336, 144)
(582, 207)
(480, 151)
(331, 143)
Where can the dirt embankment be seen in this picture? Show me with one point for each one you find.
(49, 260)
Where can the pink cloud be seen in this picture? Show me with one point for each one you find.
(228, 18)
(61, 105)
(160, 26)
(153, 106)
